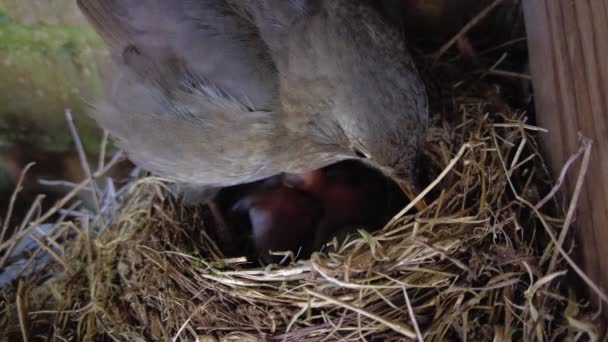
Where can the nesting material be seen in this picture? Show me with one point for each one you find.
(478, 264)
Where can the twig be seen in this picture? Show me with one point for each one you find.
(517, 125)
(499, 61)
(118, 157)
(102, 151)
(410, 310)
(20, 312)
(444, 254)
(73, 213)
(574, 201)
(512, 74)
(520, 149)
(58, 183)
(431, 186)
(474, 21)
(86, 230)
(83, 161)
(26, 219)
(42, 245)
(110, 194)
(11, 204)
(58, 205)
(493, 70)
(503, 45)
(562, 177)
(396, 326)
(592, 285)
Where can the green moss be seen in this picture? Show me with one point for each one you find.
(44, 70)
(4, 19)
(49, 37)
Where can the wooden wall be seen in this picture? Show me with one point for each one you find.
(568, 42)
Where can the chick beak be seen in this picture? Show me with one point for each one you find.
(407, 190)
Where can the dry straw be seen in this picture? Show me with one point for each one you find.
(488, 259)
(479, 263)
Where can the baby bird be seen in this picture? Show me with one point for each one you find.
(303, 212)
(283, 219)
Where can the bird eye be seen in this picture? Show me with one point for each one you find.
(129, 52)
(359, 153)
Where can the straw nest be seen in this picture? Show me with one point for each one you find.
(480, 263)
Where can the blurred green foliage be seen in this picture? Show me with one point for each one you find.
(45, 69)
(3, 16)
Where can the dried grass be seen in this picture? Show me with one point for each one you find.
(479, 263)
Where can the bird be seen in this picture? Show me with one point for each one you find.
(301, 213)
(282, 219)
(216, 93)
(351, 193)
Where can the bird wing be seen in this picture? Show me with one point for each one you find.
(191, 90)
(207, 37)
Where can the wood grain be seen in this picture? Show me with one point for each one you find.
(568, 42)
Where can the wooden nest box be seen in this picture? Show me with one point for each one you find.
(568, 47)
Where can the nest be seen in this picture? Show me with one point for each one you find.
(483, 261)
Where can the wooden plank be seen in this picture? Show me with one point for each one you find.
(568, 42)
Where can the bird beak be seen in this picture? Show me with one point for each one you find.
(407, 190)
(304, 180)
(404, 185)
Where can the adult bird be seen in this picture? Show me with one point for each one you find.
(214, 93)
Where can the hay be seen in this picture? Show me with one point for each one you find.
(477, 264)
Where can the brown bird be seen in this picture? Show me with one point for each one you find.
(214, 93)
